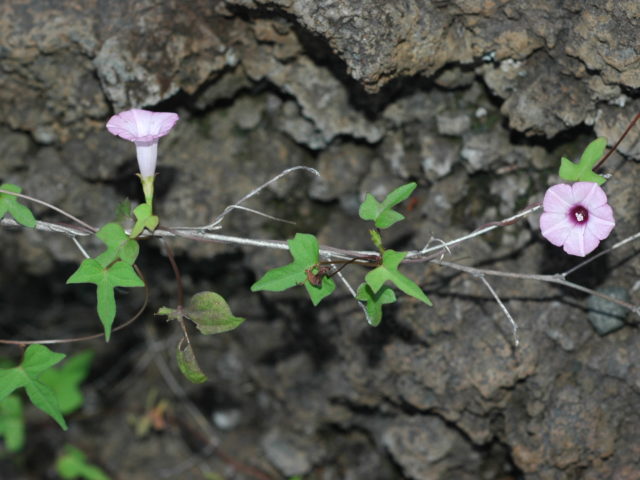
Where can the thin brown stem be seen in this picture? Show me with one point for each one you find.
(176, 272)
(617, 144)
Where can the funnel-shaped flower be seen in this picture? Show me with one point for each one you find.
(144, 128)
(576, 217)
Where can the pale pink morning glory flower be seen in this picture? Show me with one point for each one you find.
(144, 128)
(576, 217)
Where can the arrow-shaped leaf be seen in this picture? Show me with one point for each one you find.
(10, 204)
(120, 274)
(381, 212)
(37, 359)
(304, 250)
(583, 170)
(389, 271)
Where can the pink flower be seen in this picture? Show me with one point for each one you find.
(144, 128)
(576, 217)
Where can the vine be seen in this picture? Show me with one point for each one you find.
(576, 216)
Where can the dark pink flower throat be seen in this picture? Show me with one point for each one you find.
(579, 214)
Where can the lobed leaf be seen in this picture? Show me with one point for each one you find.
(381, 213)
(389, 271)
(583, 170)
(36, 359)
(119, 274)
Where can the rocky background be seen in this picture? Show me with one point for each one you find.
(474, 100)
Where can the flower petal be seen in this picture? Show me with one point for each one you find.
(138, 125)
(589, 195)
(601, 222)
(558, 199)
(580, 242)
(555, 227)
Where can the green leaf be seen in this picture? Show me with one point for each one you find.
(120, 274)
(583, 171)
(304, 250)
(144, 219)
(188, 364)
(211, 313)
(381, 212)
(119, 245)
(12, 423)
(389, 271)
(10, 204)
(65, 381)
(374, 301)
(73, 464)
(37, 359)
(281, 278)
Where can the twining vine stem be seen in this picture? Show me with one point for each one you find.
(427, 254)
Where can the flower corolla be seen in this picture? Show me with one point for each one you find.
(144, 128)
(576, 217)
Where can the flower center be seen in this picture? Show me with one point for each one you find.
(579, 214)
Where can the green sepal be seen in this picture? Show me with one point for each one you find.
(36, 359)
(583, 170)
(381, 213)
(10, 204)
(389, 271)
(374, 301)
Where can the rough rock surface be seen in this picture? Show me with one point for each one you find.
(476, 101)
